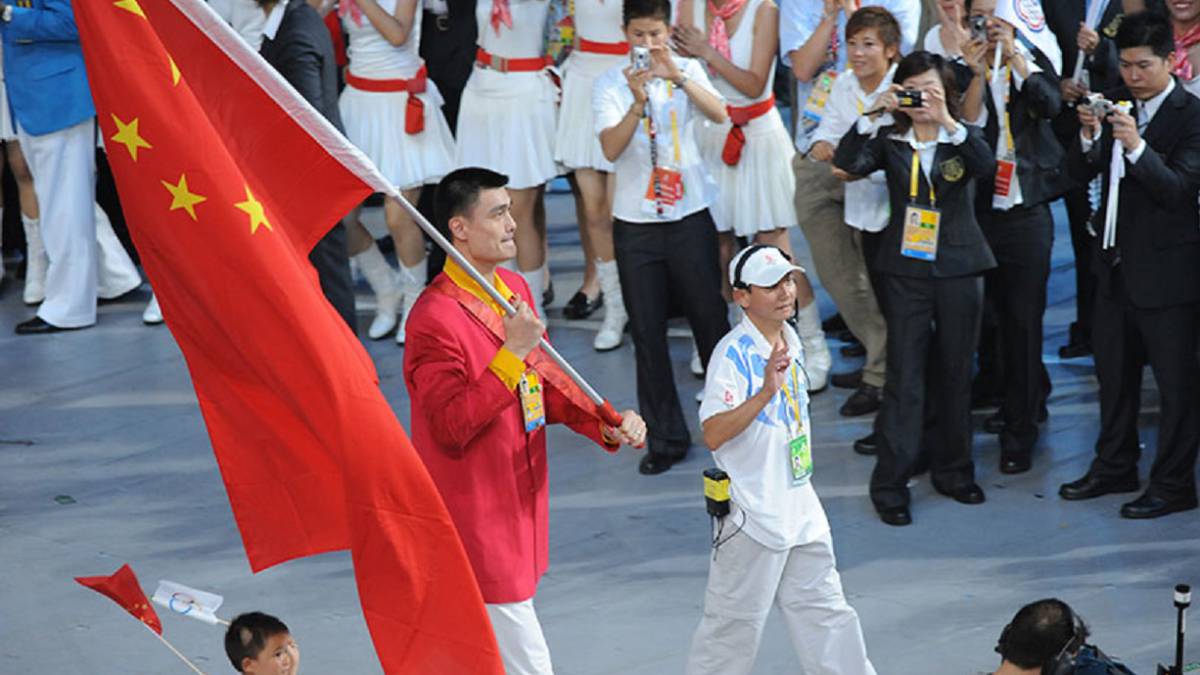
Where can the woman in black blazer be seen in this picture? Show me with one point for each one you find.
(931, 258)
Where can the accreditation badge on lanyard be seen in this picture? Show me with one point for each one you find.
(800, 464)
(664, 192)
(1004, 189)
(921, 224)
(818, 96)
(533, 403)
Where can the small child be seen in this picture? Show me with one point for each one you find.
(260, 644)
(775, 548)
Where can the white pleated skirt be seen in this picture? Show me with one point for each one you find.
(8, 130)
(506, 123)
(757, 194)
(577, 145)
(374, 123)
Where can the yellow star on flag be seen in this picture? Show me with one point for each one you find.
(174, 70)
(130, 6)
(182, 198)
(258, 215)
(127, 135)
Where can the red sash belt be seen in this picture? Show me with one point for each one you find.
(503, 65)
(414, 111)
(612, 48)
(731, 154)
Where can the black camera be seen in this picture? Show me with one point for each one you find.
(910, 98)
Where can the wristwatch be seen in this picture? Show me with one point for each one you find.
(683, 79)
(6, 13)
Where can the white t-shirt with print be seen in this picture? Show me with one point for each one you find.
(778, 514)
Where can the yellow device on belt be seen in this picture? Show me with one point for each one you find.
(716, 492)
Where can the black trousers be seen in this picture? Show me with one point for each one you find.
(933, 328)
(448, 48)
(1079, 211)
(331, 258)
(1021, 239)
(662, 265)
(1125, 337)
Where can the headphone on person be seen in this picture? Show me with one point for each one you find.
(1062, 663)
(751, 250)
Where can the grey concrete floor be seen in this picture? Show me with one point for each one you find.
(107, 416)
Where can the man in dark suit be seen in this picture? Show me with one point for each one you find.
(1147, 263)
(1014, 211)
(297, 44)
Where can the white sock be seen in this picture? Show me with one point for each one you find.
(534, 278)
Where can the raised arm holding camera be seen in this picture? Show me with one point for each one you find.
(1146, 255)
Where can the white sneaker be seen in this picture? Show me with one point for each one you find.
(153, 314)
(36, 262)
(612, 329)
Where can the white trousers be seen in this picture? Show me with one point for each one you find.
(116, 274)
(63, 164)
(746, 579)
(522, 645)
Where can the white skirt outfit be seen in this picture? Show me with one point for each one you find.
(577, 145)
(375, 120)
(756, 194)
(507, 120)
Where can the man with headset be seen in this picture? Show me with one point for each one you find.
(1047, 638)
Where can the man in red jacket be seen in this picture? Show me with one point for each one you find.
(482, 393)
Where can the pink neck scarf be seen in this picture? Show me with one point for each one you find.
(501, 14)
(718, 36)
(1183, 67)
(350, 8)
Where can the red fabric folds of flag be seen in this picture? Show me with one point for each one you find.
(122, 587)
(228, 178)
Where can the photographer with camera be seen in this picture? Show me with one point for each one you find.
(1014, 107)
(1047, 637)
(1146, 259)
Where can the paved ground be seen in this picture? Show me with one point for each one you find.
(106, 420)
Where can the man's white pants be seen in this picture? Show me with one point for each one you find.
(116, 274)
(63, 164)
(746, 579)
(522, 645)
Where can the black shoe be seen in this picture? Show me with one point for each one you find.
(867, 445)
(1011, 463)
(579, 307)
(833, 324)
(652, 464)
(1152, 506)
(994, 424)
(897, 516)
(36, 326)
(853, 350)
(548, 294)
(865, 400)
(1090, 487)
(970, 493)
(849, 380)
(1075, 350)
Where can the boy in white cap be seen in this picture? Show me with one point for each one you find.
(774, 547)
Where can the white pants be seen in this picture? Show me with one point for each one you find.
(522, 645)
(746, 578)
(63, 164)
(116, 274)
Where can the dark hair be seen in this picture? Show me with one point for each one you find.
(1146, 29)
(458, 193)
(1040, 632)
(248, 634)
(646, 9)
(919, 62)
(878, 18)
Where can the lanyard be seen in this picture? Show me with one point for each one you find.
(652, 132)
(794, 400)
(914, 179)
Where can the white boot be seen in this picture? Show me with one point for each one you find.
(535, 278)
(817, 359)
(382, 279)
(36, 262)
(153, 314)
(695, 364)
(412, 282)
(612, 329)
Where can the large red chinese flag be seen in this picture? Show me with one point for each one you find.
(122, 587)
(228, 178)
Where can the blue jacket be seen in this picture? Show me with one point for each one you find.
(43, 67)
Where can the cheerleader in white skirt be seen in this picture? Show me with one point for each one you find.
(750, 156)
(392, 112)
(507, 119)
(599, 45)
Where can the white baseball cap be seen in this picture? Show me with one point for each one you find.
(760, 265)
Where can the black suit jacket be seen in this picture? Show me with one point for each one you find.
(302, 52)
(1039, 154)
(1158, 226)
(962, 249)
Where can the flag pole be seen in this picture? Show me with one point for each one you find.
(607, 413)
(174, 651)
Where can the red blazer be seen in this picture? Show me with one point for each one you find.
(469, 429)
